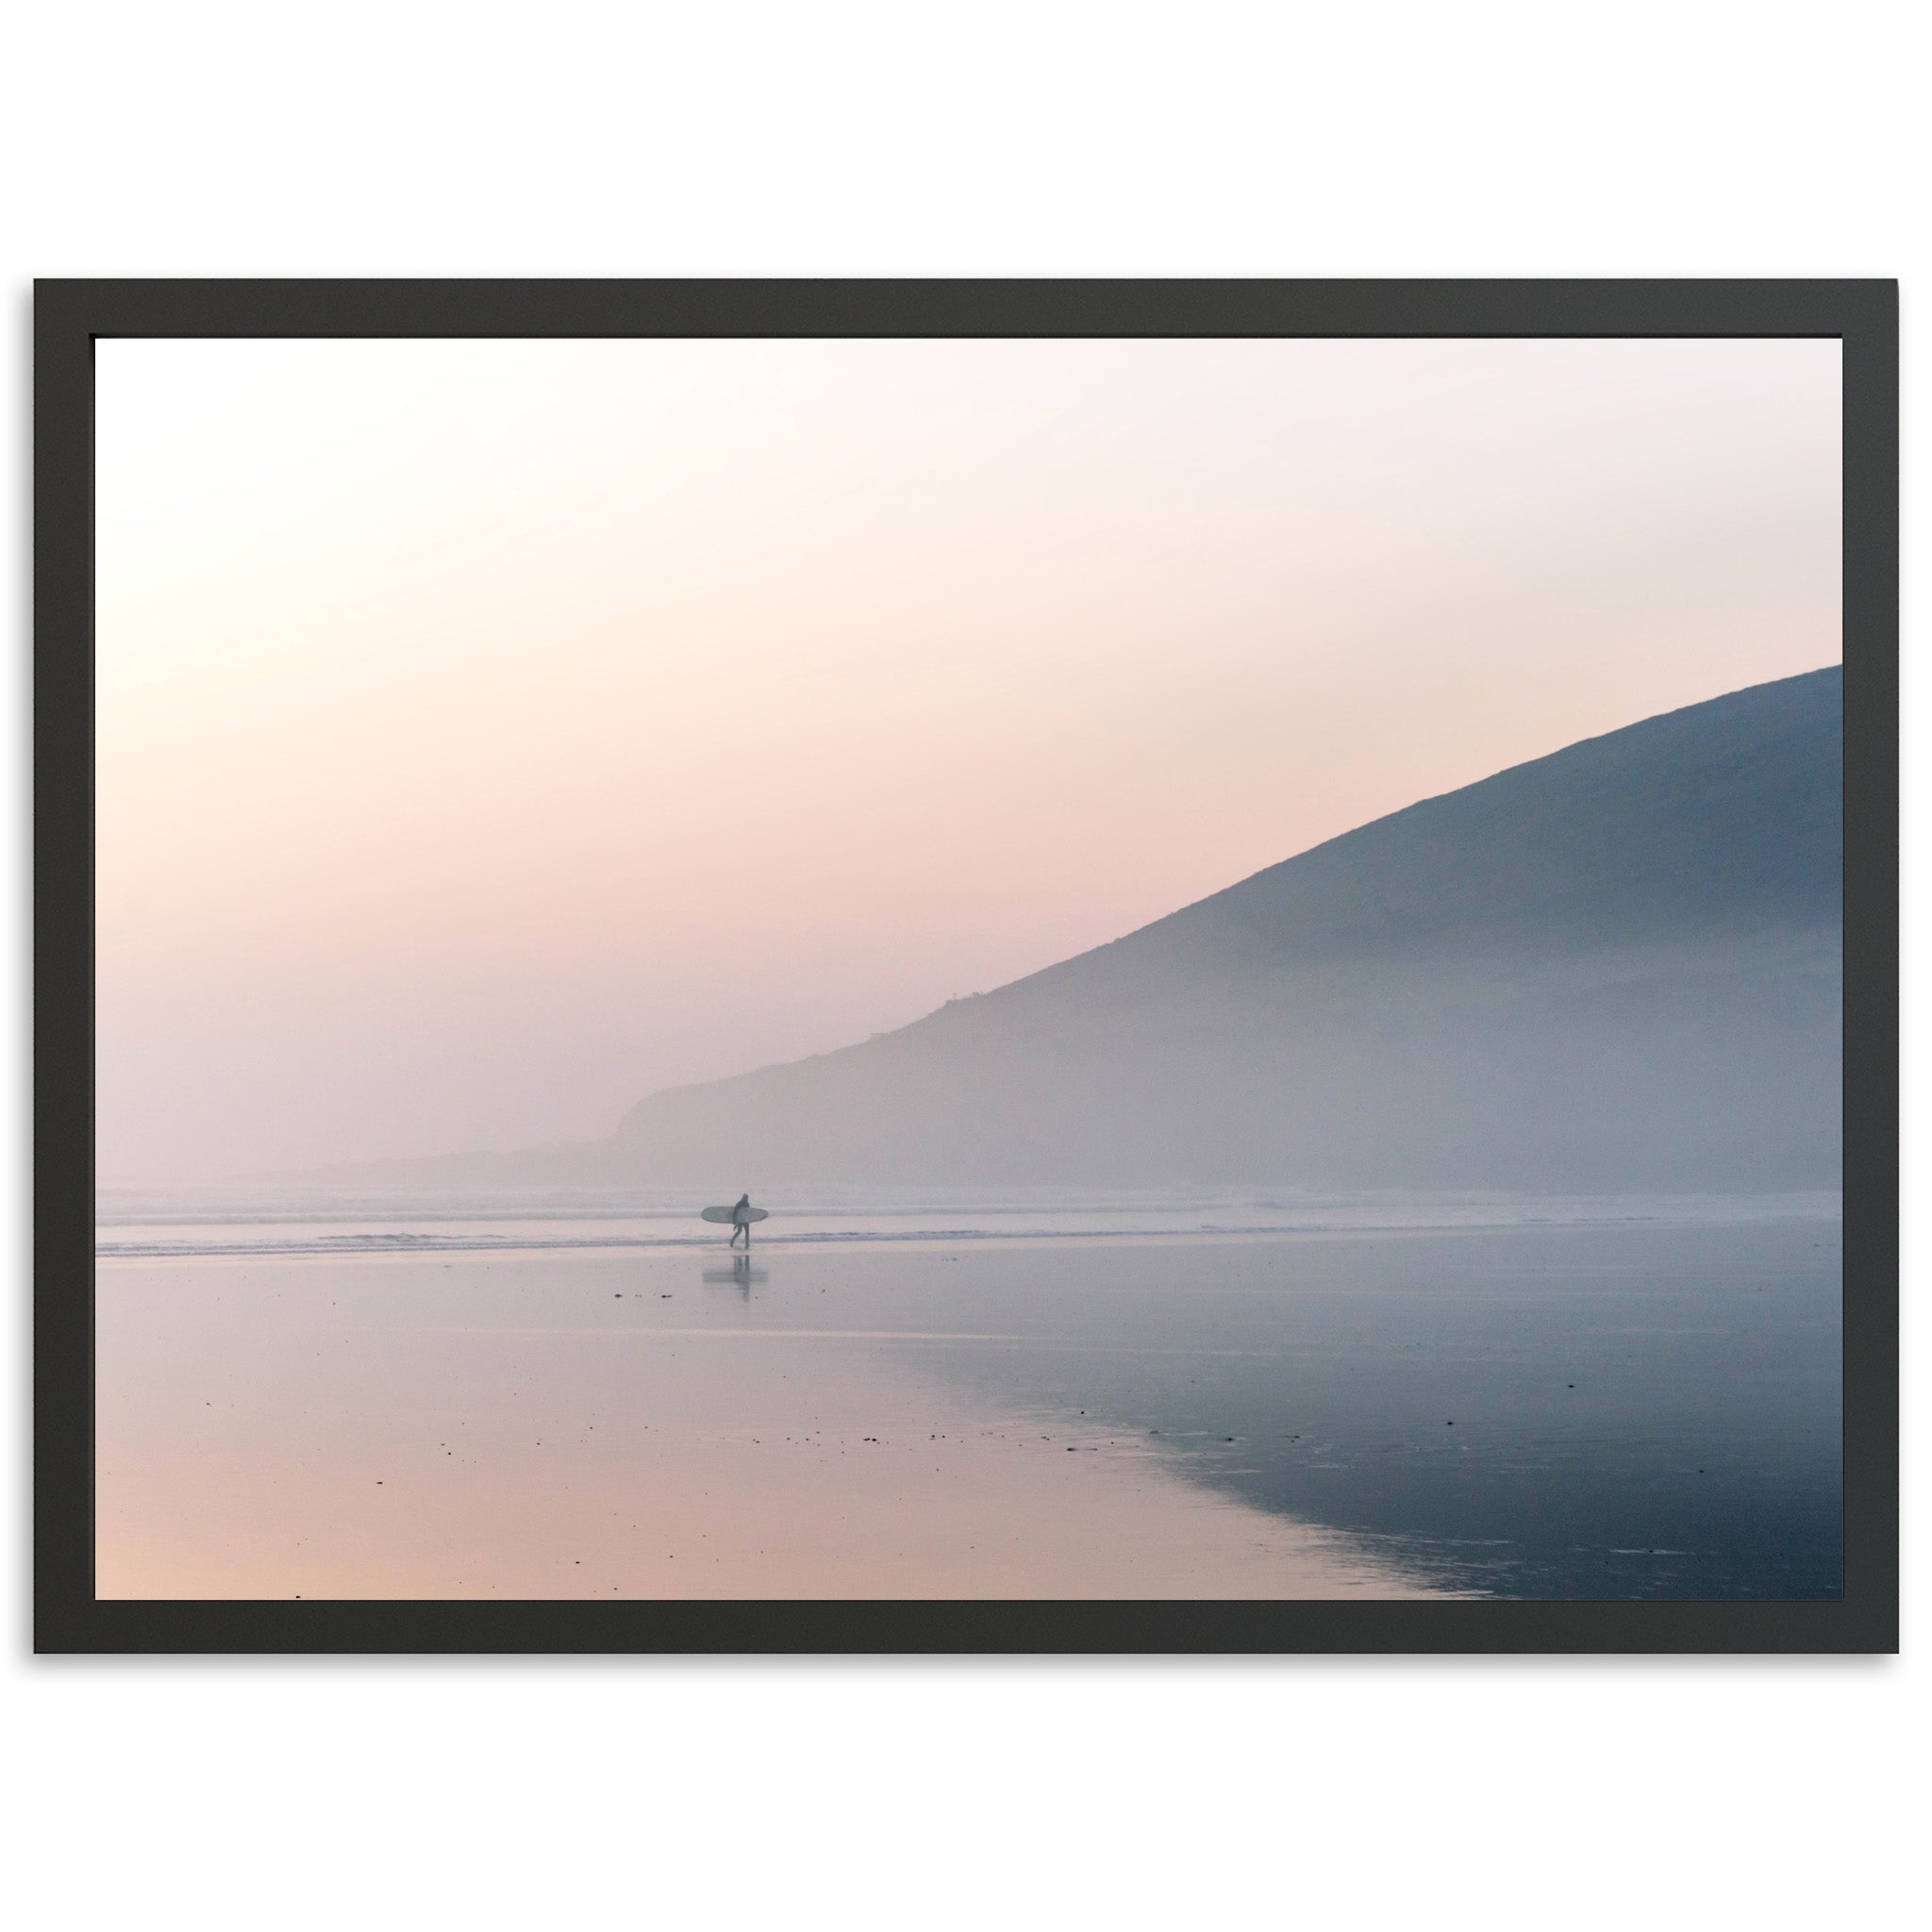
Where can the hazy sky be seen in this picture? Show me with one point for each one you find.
(492, 732)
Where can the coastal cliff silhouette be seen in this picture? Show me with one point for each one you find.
(1614, 967)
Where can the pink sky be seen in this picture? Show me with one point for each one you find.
(492, 732)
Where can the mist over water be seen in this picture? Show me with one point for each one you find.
(617, 715)
(937, 1393)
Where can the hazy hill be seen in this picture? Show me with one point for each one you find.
(1617, 966)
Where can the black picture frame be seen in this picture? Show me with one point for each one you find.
(71, 315)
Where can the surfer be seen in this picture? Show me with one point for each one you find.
(741, 1221)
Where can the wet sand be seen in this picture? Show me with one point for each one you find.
(583, 1426)
(1629, 1409)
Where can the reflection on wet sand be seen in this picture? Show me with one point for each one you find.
(740, 1274)
(1631, 1409)
(491, 1428)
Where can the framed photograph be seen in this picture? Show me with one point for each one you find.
(966, 966)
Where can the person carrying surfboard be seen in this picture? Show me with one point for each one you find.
(741, 1215)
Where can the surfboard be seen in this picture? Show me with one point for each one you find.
(724, 1214)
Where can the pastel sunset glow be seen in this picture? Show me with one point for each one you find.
(491, 733)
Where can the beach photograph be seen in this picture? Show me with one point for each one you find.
(935, 968)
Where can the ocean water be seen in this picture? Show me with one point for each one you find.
(950, 1395)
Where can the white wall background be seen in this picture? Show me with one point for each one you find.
(1036, 139)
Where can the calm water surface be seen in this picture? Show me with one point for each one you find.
(1286, 1398)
